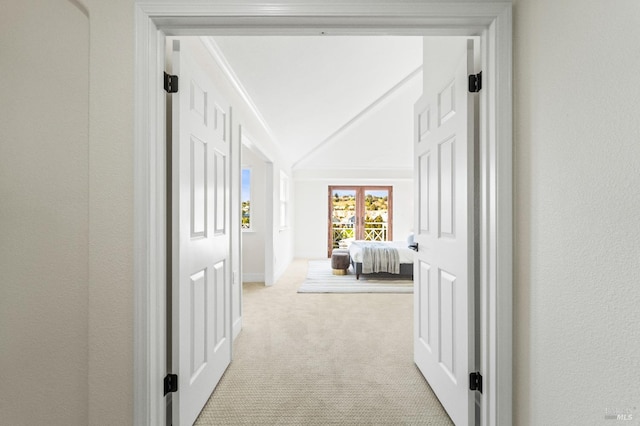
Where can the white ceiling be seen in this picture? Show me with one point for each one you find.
(309, 87)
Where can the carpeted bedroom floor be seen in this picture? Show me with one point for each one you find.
(322, 359)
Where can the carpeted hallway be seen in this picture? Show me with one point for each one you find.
(323, 359)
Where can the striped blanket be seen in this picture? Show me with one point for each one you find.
(379, 257)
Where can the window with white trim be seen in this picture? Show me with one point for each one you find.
(245, 211)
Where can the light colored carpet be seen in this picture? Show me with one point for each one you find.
(323, 359)
(320, 279)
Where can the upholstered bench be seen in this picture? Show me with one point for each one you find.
(340, 261)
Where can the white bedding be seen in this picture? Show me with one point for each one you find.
(404, 252)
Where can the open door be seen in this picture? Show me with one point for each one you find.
(201, 284)
(444, 267)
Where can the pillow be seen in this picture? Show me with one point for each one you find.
(410, 239)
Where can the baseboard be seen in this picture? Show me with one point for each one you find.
(253, 277)
(310, 255)
(237, 328)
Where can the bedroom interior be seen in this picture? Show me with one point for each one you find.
(360, 232)
(313, 178)
(387, 214)
(374, 211)
(380, 191)
(351, 150)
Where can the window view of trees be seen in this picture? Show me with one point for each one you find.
(376, 210)
(246, 214)
(344, 216)
(246, 199)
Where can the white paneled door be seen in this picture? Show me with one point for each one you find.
(443, 271)
(201, 286)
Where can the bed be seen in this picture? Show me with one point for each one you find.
(381, 257)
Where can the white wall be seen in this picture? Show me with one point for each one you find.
(44, 213)
(268, 248)
(312, 209)
(577, 210)
(253, 240)
(381, 138)
(375, 149)
(283, 236)
(577, 264)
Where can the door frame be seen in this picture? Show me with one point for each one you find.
(155, 19)
(268, 189)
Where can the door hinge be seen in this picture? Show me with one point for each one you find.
(170, 83)
(475, 382)
(475, 82)
(170, 383)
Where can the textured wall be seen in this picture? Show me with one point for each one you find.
(577, 210)
(44, 213)
(111, 213)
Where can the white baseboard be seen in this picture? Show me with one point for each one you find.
(310, 255)
(253, 277)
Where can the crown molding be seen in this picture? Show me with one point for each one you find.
(219, 58)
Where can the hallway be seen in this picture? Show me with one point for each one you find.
(322, 359)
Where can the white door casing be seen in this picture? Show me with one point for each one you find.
(155, 19)
(236, 226)
(444, 271)
(201, 343)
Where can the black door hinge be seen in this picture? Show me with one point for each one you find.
(170, 83)
(170, 383)
(475, 82)
(475, 382)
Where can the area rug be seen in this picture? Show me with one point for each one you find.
(320, 279)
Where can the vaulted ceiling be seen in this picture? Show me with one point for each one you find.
(309, 88)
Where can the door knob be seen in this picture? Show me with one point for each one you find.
(414, 246)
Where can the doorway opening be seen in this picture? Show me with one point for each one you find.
(366, 206)
(257, 213)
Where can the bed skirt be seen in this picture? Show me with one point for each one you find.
(406, 269)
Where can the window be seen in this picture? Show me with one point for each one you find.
(284, 200)
(246, 199)
(360, 213)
